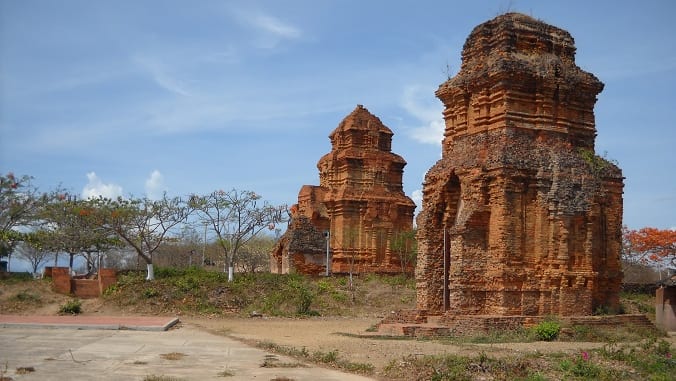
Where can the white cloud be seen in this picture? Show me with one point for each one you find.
(275, 26)
(431, 128)
(95, 188)
(269, 30)
(417, 197)
(161, 76)
(155, 185)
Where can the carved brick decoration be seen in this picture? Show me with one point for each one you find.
(520, 217)
(359, 200)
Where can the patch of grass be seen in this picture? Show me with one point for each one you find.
(173, 356)
(71, 307)
(329, 358)
(581, 367)
(639, 302)
(26, 296)
(197, 291)
(611, 335)
(271, 361)
(652, 358)
(325, 357)
(649, 359)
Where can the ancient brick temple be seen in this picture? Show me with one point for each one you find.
(360, 202)
(520, 217)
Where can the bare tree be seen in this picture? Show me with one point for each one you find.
(256, 254)
(405, 246)
(143, 224)
(236, 217)
(18, 202)
(33, 254)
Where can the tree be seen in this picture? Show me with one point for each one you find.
(256, 254)
(18, 202)
(650, 244)
(32, 252)
(69, 225)
(143, 224)
(181, 250)
(405, 246)
(236, 217)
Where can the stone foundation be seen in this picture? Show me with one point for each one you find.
(416, 323)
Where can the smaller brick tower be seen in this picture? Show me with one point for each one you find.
(360, 201)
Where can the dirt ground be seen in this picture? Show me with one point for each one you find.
(326, 334)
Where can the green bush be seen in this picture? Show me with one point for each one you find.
(26, 296)
(547, 330)
(73, 307)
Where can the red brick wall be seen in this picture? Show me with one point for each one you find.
(82, 288)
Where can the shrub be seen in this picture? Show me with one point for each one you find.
(547, 330)
(26, 296)
(73, 307)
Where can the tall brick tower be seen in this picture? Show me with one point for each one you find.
(360, 201)
(520, 217)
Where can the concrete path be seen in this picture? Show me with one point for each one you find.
(136, 323)
(184, 353)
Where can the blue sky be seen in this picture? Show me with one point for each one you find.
(140, 97)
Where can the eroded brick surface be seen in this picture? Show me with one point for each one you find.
(359, 200)
(525, 216)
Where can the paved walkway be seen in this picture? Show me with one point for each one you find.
(53, 350)
(137, 323)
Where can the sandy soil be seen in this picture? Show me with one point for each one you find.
(325, 334)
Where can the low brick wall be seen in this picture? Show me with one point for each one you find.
(61, 280)
(63, 283)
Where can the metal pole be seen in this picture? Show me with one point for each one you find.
(204, 247)
(445, 284)
(328, 237)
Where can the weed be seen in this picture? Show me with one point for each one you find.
(272, 361)
(325, 357)
(173, 356)
(547, 330)
(581, 367)
(72, 307)
(226, 373)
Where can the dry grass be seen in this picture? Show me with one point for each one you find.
(173, 356)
